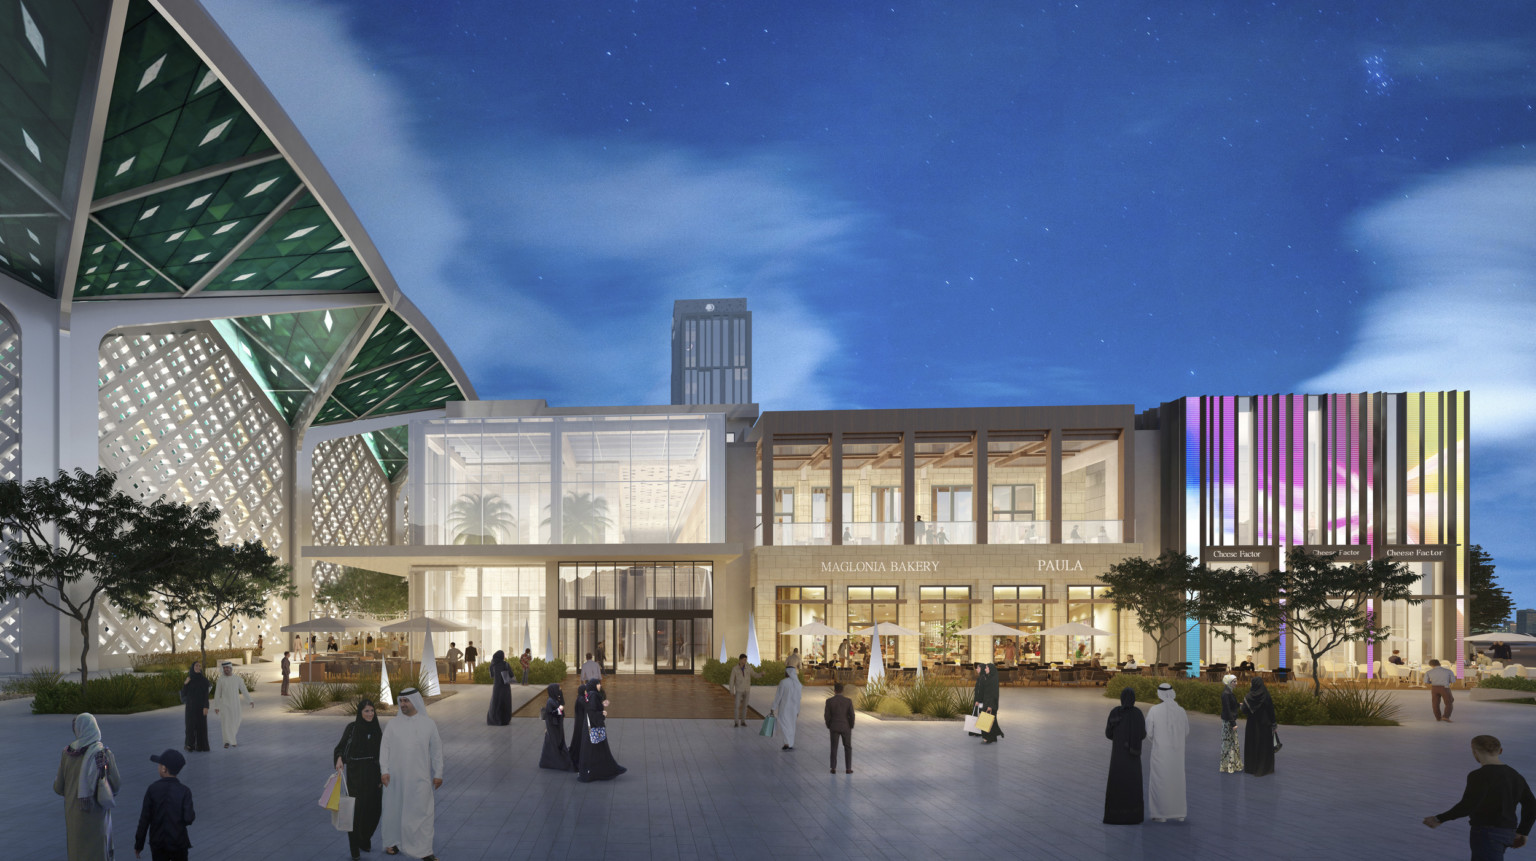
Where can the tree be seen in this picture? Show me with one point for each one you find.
(1323, 605)
(480, 518)
(359, 591)
(236, 580)
(1174, 594)
(1491, 604)
(583, 518)
(75, 540)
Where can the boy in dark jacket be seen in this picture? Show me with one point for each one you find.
(166, 813)
(1493, 793)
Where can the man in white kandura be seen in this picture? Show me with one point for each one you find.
(786, 706)
(226, 701)
(1167, 727)
(411, 768)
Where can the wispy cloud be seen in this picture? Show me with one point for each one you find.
(1458, 257)
(642, 224)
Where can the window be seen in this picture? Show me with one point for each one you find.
(1021, 607)
(943, 610)
(885, 504)
(783, 505)
(952, 503)
(1011, 502)
(866, 606)
(1092, 606)
(796, 606)
(821, 512)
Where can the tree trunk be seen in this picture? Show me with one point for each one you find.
(85, 649)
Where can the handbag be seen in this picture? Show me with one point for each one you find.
(506, 677)
(346, 807)
(970, 721)
(767, 730)
(597, 734)
(332, 792)
(984, 721)
(1278, 745)
(104, 795)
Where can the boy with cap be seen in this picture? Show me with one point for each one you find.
(166, 813)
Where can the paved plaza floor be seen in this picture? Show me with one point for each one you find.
(701, 789)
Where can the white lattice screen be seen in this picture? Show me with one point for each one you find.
(178, 418)
(351, 500)
(10, 470)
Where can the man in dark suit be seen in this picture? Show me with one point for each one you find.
(839, 717)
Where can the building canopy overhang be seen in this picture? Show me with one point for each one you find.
(400, 560)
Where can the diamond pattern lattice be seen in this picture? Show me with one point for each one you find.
(10, 470)
(177, 418)
(351, 500)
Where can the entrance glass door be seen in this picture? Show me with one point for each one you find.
(674, 645)
(595, 637)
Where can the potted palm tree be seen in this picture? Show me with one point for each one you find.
(481, 518)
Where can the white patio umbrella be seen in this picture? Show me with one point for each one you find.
(876, 661)
(994, 629)
(329, 625)
(1074, 629)
(1501, 638)
(423, 624)
(754, 657)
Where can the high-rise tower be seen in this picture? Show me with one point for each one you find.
(711, 351)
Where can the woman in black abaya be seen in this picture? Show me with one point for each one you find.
(555, 754)
(578, 726)
(1259, 735)
(358, 753)
(500, 713)
(986, 695)
(194, 692)
(1126, 728)
(597, 761)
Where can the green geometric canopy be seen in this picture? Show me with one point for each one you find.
(192, 196)
(390, 447)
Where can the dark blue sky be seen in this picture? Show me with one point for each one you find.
(948, 204)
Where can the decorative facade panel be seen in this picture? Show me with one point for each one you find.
(178, 418)
(351, 499)
(10, 470)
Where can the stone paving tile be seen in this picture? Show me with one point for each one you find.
(698, 789)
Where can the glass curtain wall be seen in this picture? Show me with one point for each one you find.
(1017, 472)
(796, 606)
(802, 465)
(637, 618)
(1092, 606)
(866, 606)
(1021, 607)
(943, 610)
(500, 608)
(1090, 487)
(637, 479)
(872, 478)
(945, 473)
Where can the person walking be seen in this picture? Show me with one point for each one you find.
(411, 766)
(357, 757)
(1493, 792)
(1440, 680)
(1167, 730)
(786, 706)
(226, 702)
(1126, 728)
(286, 667)
(838, 716)
(1259, 736)
(842, 653)
(741, 687)
(597, 762)
(525, 660)
(591, 670)
(986, 697)
(455, 658)
(500, 713)
(88, 780)
(194, 696)
(166, 812)
(793, 660)
(578, 726)
(471, 655)
(1231, 757)
(555, 754)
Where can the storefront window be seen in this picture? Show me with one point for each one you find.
(1021, 607)
(866, 606)
(1092, 606)
(796, 606)
(942, 611)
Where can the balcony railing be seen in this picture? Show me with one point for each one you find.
(1018, 531)
(802, 534)
(872, 533)
(1090, 531)
(948, 532)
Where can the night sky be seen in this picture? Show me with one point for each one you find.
(953, 204)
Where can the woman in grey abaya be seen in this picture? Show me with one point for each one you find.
(84, 764)
(1126, 728)
(1259, 735)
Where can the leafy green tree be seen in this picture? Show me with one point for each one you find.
(481, 518)
(358, 591)
(1323, 605)
(583, 518)
(236, 580)
(1491, 604)
(76, 540)
(1173, 594)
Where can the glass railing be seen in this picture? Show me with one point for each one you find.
(872, 533)
(948, 532)
(1090, 531)
(1018, 531)
(802, 534)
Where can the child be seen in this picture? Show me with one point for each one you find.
(166, 813)
(1490, 798)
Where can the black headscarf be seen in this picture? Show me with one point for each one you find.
(1126, 723)
(499, 658)
(1258, 696)
(366, 729)
(556, 696)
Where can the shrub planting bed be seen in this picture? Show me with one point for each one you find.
(1338, 706)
